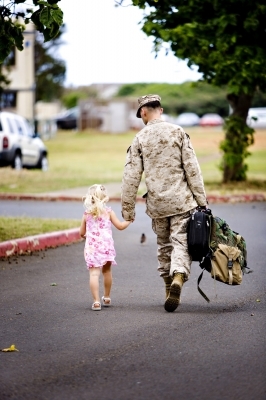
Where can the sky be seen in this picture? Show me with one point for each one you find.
(105, 44)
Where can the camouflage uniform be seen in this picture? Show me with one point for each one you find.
(174, 187)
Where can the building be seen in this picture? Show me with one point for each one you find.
(115, 115)
(19, 97)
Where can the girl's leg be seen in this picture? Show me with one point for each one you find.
(107, 278)
(94, 283)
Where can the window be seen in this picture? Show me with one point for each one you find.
(10, 125)
(29, 129)
(20, 130)
(25, 127)
(9, 99)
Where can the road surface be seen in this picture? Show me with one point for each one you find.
(134, 349)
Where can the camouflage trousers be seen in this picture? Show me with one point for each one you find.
(172, 244)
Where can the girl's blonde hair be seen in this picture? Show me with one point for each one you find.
(95, 199)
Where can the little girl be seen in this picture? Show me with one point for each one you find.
(99, 251)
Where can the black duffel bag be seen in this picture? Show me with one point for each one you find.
(198, 234)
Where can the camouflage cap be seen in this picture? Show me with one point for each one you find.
(145, 100)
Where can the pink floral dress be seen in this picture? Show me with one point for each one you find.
(99, 244)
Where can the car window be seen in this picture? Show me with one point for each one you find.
(10, 125)
(28, 128)
(19, 127)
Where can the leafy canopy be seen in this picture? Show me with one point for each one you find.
(225, 39)
(46, 16)
(50, 70)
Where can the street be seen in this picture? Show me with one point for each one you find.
(134, 349)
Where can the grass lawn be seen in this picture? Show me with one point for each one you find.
(75, 159)
(14, 228)
(82, 158)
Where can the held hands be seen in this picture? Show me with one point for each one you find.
(127, 223)
(117, 223)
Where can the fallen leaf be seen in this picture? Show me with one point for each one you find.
(11, 348)
(258, 300)
(252, 315)
(53, 284)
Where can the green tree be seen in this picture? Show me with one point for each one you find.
(72, 96)
(198, 97)
(46, 16)
(49, 70)
(226, 40)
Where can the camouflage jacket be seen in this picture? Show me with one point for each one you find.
(164, 153)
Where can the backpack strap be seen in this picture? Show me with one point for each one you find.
(199, 289)
(230, 266)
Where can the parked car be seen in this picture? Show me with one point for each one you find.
(19, 145)
(68, 119)
(187, 119)
(211, 120)
(259, 114)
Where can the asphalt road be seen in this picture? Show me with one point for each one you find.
(134, 349)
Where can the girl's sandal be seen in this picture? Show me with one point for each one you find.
(106, 301)
(96, 306)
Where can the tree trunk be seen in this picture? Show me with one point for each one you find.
(240, 104)
(238, 137)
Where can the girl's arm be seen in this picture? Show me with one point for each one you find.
(82, 229)
(118, 224)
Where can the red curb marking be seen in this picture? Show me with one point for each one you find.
(241, 198)
(237, 198)
(39, 242)
(7, 196)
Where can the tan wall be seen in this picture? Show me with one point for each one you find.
(25, 105)
(22, 74)
(47, 110)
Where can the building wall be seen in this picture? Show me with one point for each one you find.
(114, 116)
(22, 74)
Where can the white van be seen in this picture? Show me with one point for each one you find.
(19, 145)
(260, 114)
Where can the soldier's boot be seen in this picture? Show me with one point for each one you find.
(168, 281)
(173, 299)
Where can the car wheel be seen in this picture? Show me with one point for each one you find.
(44, 163)
(17, 162)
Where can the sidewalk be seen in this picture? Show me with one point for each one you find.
(74, 194)
(114, 191)
(54, 239)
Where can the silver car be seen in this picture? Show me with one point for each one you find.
(19, 145)
(187, 119)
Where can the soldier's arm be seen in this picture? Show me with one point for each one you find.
(131, 179)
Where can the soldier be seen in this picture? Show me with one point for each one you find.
(174, 189)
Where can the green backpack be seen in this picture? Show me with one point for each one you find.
(227, 257)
